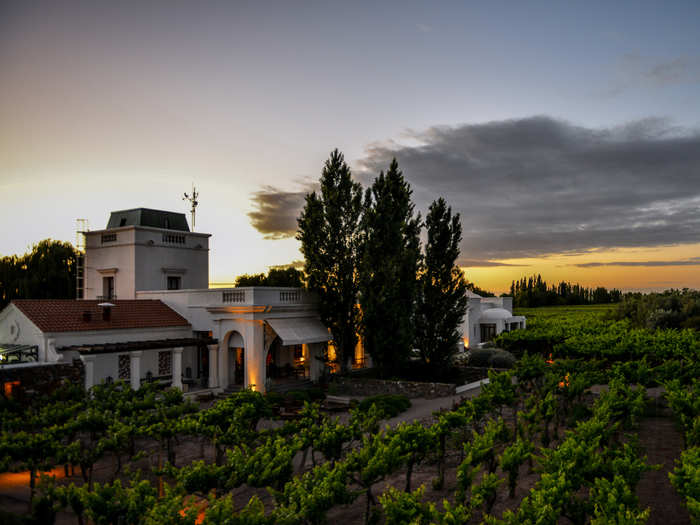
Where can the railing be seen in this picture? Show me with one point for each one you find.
(174, 238)
(233, 296)
(290, 297)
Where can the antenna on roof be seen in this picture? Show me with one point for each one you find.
(193, 200)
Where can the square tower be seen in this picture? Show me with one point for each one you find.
(144, 249)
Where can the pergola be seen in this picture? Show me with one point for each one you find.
(14, 354)
(135, 349)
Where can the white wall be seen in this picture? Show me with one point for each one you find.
(107, 365)
(143, 260)
(103, 256)
(189, 261)
(119, 336)
(16, 328)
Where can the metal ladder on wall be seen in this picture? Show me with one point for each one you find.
(81, 226)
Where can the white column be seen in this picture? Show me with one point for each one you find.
(213, 368)
(255, 355)
(135, 369)
(177, 367)
(222, 363)
(89, 362)
(315, 365)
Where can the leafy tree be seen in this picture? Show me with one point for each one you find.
(47, 272)
(442, 299)
(275, 277)
(329, 234)
(388, 267)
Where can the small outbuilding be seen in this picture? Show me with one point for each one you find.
(487, 317)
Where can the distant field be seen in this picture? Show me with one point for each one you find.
(550, 311)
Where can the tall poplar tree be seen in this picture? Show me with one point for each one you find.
(329, 235)
(442, 298)
(388, 266)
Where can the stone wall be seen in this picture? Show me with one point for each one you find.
(411, 389)
(40, 378)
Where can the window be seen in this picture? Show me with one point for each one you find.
(122, 222)
(109, 237)
(488, 332)
(298, 351)
(108, 288)
(174, 282)
(165, 363)
(124, 366)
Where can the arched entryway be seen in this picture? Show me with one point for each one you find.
(236, 360)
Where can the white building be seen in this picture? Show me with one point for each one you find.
(153, 270)
(128, 340)
(162, 322)
(144, 249)
(487, 317)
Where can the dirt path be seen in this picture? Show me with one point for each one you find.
(662, 444)
(423, 409)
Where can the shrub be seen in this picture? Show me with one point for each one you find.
(491, 358)
(275, 399)
(390, 405)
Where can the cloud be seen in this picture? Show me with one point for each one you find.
(276, 211)
(693, 261)
(536, 186)
(478, 263)
(634, 70)
(296, 264)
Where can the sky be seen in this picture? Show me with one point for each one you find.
(566, 134)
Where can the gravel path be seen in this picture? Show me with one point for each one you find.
(423, 409)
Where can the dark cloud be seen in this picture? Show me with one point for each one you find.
(634, 71)
(276, 211)
(538, 186)
(693, 261)
(478, 263)
(297, 264)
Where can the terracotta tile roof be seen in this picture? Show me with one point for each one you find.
(68, 315)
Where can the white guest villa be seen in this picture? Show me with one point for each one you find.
(147, 314)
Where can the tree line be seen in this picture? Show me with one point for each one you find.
(670, 309)
(533, 291)
(46, 272)
(364, 260)
(275, 277)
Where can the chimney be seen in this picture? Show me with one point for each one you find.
(106, 311)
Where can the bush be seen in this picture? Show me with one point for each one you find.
(491, 358)
(389, 404)
(275, 399)
(299, 397)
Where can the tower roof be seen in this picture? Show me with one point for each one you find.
(167, 220)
